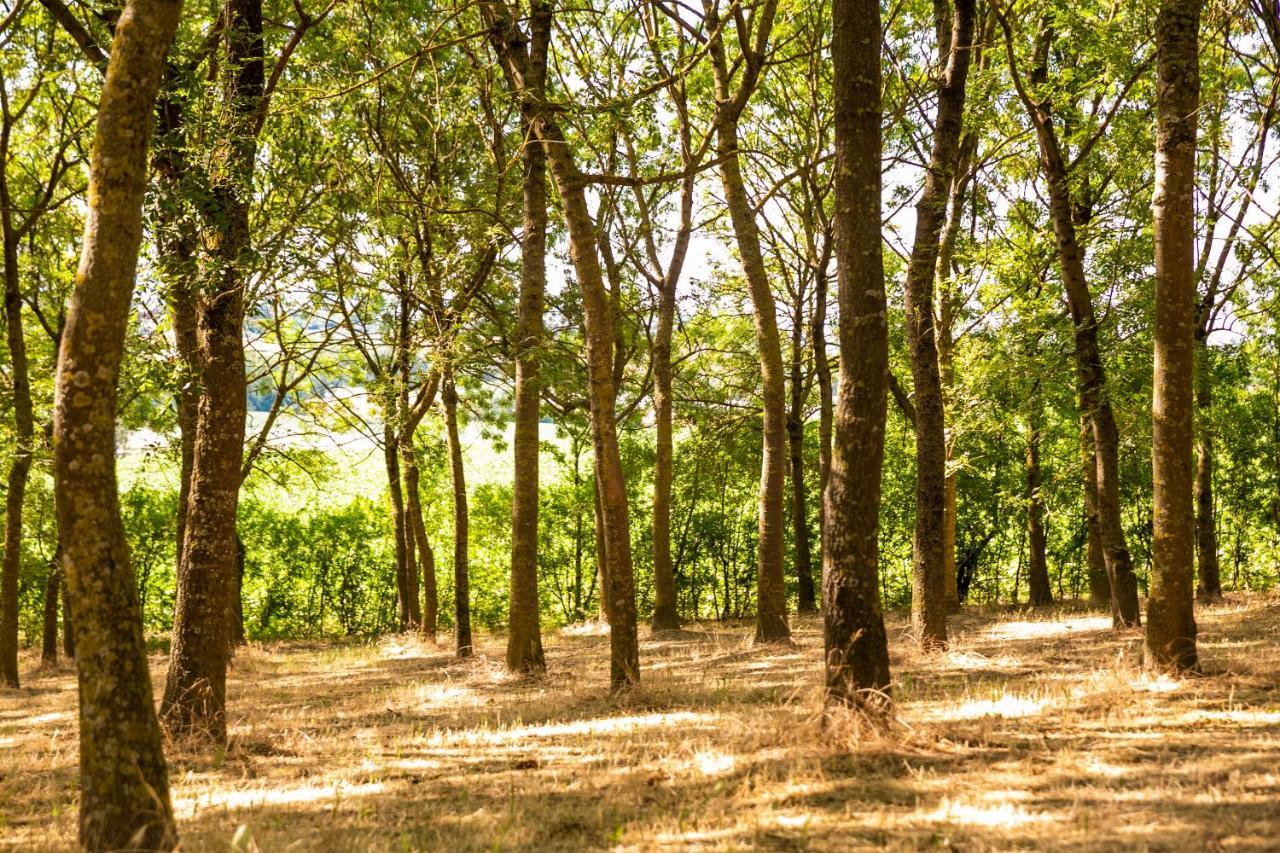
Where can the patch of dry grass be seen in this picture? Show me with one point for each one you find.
(1032, 731)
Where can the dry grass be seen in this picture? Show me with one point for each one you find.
(1033, 731)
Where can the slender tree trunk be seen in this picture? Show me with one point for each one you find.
(461, 520)
(857, 651)
(602, 553)
(806, 600)
(771, 604)
(1096, 566)
(1092, 376)
(524, 634)
(49, 636)
(194, 700)
(124, 788)
(68, 631)
(1171, 624)
(20, 466)
(236, 611)
(391, 461)
(929, 579)
(826, 406)
(509, 43)
(428, 613)
(402, 452)
(1210, 585)
(1037, 566)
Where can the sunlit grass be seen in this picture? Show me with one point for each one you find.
(1028, 732)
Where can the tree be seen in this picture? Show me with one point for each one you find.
(857, 650)
(124, 788)
(1171, 625)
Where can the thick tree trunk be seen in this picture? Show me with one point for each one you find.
(857, 651)
(524, 633)
(194, 702)
(1171, 624)
(771, 596)
(1038, 565)
(806, 600)
(1096, 565)
(124, 788)
(1210, 585)
(929, 580)
(461, 521)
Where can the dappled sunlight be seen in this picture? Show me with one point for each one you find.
(998, 744)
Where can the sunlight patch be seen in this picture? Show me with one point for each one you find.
(1041, 630)
(1007, 706)
(997, 816)
(714, 763)
(253, 798)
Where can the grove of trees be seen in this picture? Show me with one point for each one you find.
(334, 318)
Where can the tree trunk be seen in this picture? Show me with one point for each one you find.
(857, 651)
(194, 700)
(524, 633)
(1088, 355)
(806, 600)
(461, 520)
(1096, 566)
(771, 597)
(124, 788)
(391, 461)
(20, 467)
(1038, 565)
(68, 632)
(428, 613)
(236, 610)
(602, 553)
(49, 636)
(929, 579)
(1171, 624)
(509, 43)
(826, 407)
(1210, 585)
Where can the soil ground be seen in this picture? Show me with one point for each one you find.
(1035, 730)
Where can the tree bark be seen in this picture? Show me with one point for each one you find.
(857, 651)
(194, 702)
(509, 43)
(524, 632)
(1096, 565)
(826, 405)
(461, 520)
(428, 612)
(1171, 625)
(391, 461)
(124, 788)
(929, 581)
(1088, 355)
(49, 636)
(1038, 566)
(24, 441)
(1210, 583)
(806, 600)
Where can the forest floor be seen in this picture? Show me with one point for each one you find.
(1034, 730)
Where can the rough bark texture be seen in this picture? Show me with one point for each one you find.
(857, 651)
(929, 582)
(429, 612)
(1037, 565)
(1096, 562)
(1088, 354)
(826, 403)
(524, 634)
(806, 600)
(461, 521)
(124, 788)
(1171, 625)
(194, 702)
